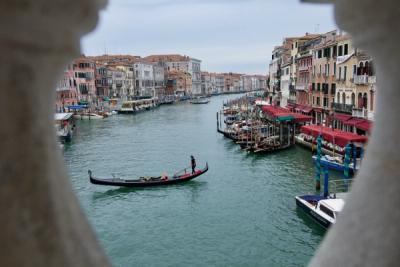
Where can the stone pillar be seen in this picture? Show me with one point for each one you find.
(41, 221)
(367, 231)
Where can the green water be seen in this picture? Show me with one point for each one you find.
(241, 213)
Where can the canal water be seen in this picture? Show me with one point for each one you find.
(241, 213)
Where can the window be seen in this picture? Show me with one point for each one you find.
(340, 73)
(318, 101)
(326, 211)
(345, 73)
(346, 49)
(313, 87)
(340, 51)
(328, 70)
(333, 88)
(320, 53)
(326, 102)
(334, 51)
(334, 68)
(318, 86)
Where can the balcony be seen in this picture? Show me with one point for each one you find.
(372, 79)
(304, 68)
(361, 79)
(345, 108)
(301, 87)
(360, 113)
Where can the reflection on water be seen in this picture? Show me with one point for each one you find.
(240, 213)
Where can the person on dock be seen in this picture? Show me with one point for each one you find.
(193, 163)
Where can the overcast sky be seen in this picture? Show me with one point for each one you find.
(227, 35)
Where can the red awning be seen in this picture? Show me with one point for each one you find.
(301, 118)
(342, 117)
(335, 136)
(307, 109)
(276, 112)
(365, 125)
(354, 121)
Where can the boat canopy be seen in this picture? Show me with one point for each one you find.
(62, 116)
(334, 136)
(283, 114)
(77, 107)
(335, 204)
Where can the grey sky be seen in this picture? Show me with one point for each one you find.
(227, 35)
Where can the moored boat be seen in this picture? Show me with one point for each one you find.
(334, 163)
(88, 116)
(323, 210)
(146, 181)
(200, 100)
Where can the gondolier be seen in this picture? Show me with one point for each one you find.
(193, 163)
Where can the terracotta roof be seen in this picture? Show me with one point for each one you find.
(167, 58)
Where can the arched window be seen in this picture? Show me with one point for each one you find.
(366, 69)
(338, 97)
(365, 101)
(344, 98)
(353, 99)
(359, 100)
(360, 68)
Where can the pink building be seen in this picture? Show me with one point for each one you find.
(67, 93)
(84, 73)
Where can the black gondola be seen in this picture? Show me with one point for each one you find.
(182, 176)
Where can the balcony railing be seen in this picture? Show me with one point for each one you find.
(300, 87)
(360, 113)
(361, 79)
(372, 79)
(304, 68)
(346, 108)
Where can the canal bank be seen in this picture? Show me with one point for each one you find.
(240, 213)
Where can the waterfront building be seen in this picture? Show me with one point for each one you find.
(84, 74)
(179, 83)
(66, 91)
(181, 63)
(323, 77)
(128, 81)
(207, 85)
(144, 78)
(285, 81)
(304, 66)
(232, 83)
(220, 83)
(247, 83)
(280, 54)
(159, 80)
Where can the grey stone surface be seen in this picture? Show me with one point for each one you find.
(367, 232)
(41, 221)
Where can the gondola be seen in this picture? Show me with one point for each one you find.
(179, 177)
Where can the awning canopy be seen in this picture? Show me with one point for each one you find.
(365, 125)
(342, 117)
(354, 121)
(303, 108)
(333, 136)
(283, 114)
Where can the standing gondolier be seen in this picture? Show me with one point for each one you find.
(193, 163)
